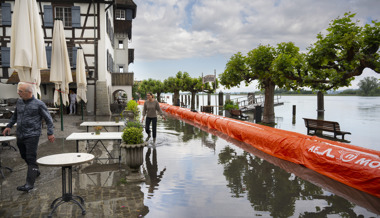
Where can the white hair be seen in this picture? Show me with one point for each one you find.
(28, 86)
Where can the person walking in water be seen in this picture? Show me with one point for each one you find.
(151, 107)
(73, 101)
(28, 114)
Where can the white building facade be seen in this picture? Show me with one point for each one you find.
(89, 25)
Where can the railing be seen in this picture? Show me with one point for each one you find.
(250, 101)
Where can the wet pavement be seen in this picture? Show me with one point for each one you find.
(101, 183)
(190, 171)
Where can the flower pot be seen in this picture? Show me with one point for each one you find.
(97, 132)
(134, 158)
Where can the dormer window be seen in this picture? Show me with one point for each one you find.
(120, 14)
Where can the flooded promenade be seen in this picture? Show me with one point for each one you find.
(190, 171)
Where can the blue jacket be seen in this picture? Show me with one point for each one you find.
(28, 115)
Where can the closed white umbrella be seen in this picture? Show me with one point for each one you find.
(28, 55)
(81, 79)
(60, 70)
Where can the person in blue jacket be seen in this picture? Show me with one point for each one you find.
(28, 114)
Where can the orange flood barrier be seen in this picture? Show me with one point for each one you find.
(352, 165)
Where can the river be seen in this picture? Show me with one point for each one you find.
(356, 114)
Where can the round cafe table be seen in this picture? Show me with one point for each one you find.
(66, 161)
(5, 139)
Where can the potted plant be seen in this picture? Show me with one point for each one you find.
(97, 129)
(133, 144)
(231, 107)
(131, 111)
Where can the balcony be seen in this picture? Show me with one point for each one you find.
(122, 79)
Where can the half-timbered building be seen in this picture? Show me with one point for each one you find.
(103, 29)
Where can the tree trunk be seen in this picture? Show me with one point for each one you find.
(193, 100)
(268, 115)
(176, 98)
(320, 105)
(159, 96)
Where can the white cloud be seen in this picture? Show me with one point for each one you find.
(184, 29)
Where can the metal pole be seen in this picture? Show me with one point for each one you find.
(82, 107)
(60, 98)
(216, 99)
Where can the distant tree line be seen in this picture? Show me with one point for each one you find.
(182, 81)
(369, 86)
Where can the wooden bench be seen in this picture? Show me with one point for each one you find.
(324, 125)
(238, 113)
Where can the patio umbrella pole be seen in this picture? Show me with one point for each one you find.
(61, 107)
(81, 102)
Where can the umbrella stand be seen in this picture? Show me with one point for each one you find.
(61, 107)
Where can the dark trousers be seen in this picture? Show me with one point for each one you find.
(154, 125)
(28, 151)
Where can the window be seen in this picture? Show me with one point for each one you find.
(121, 45)
(121, 69)
(64, 13)
(120, 14)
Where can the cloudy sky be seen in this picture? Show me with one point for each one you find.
(200, 36)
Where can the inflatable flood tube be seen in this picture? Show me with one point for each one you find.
(352, 165)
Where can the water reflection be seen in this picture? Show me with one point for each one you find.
(151, 172)
(267, 187)
(272, 186)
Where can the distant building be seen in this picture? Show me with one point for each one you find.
(101, 28)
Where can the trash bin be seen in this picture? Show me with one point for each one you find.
(258, 113)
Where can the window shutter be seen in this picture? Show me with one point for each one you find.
(48, 55)
(108, 60)
(6, 16)
(48, 16)
(75, 16)
(129, 14)
(5, 56)
(74, 58)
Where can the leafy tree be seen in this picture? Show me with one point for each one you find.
(152, 85)
(135, 89)
(343, 53)
(281, 66)
(369, 86)
(176, 84)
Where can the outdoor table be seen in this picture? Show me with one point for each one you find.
(2, 127)
(66, 161)
(104, 124)
(53, 112)
(86, 136)
(5, 139)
